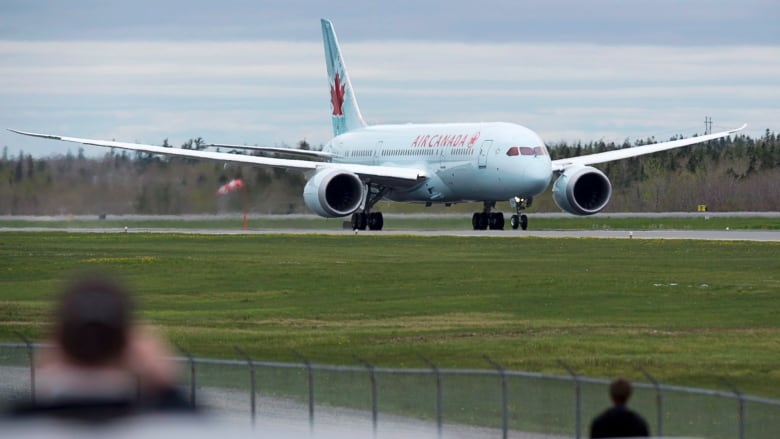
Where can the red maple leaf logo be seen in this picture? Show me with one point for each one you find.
(337, 95)
(473, 139)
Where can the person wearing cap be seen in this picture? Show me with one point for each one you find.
(618, 420)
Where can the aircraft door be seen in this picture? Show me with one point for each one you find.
(378, 152)
(483, 153)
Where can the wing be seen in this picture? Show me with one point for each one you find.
(276, 150)
(618, 154)
(390, 175)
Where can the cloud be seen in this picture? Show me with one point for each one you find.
(661, 22)
(248, 66)
(266, 92)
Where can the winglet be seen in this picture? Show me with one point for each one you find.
(43, 136)
(744, 125)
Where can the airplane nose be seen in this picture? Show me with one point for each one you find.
(538, 175)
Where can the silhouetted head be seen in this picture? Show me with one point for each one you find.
(620, 391)
(92, 319)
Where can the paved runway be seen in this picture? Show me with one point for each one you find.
(718, 235)
(711, 235)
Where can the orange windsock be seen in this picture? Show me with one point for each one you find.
(232, 185)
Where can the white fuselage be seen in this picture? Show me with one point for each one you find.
(462, 161)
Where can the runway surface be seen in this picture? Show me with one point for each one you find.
(709, 235)
(129, 220)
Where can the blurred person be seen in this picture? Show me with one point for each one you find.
(618, 420)
(102, 364)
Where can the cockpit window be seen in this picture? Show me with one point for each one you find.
(526, 150)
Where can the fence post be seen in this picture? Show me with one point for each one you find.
(437, 374)
(310, 379)
(31, 356)
(741, 399)
(192, 373)
(252, 382)
(578, 398)
(504, 397)
(659, 402)
(372, 377)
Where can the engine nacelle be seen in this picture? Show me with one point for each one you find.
(332, 193)
(582, 190)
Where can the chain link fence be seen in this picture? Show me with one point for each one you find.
(442, 402)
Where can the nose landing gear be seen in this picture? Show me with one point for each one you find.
(520, 220)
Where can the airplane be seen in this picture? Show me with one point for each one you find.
(424, 163)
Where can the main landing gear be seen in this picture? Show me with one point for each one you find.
(487, 219)
(372, 220)
(366, 218)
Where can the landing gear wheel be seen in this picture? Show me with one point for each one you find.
(520, 203)
(484, 219)
(496, 221)
(479, 221)
(359, 221)
(375, 221)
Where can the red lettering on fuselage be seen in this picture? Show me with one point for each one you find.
(440, 140)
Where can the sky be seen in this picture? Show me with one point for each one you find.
(253, 72)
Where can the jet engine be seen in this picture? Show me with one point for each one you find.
(582, 190)
(333, 193)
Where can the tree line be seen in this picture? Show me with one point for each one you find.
(739, 173)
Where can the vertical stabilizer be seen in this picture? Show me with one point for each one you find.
(345, 112)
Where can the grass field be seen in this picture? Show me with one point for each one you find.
(690, 312)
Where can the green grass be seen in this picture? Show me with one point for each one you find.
(690, 312)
